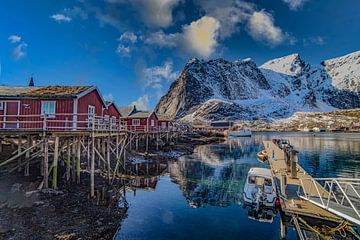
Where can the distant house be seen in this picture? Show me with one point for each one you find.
(52, 107)
(221, 125)
(139, 120)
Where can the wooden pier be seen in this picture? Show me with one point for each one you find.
(95, 146)
(291, 203)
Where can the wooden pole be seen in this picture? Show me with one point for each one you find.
(137, 142)
(46, 162)
(55, 164)
(78, 160)
(88, 153)
(73, 162)
(92, 170)
(19, 151)
(108, 158)
(27, 156)
(117, 146)
(68, 161)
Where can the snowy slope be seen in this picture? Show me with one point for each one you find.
(220, 89)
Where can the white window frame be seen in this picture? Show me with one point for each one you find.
(92, 113)
(136, 122)
(113, 120)
(48, 113)
(107, 118)
(1, 105)
(152, 122)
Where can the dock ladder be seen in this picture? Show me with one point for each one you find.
(340, 196)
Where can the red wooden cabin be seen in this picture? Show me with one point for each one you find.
(139, 121)
(112, 113)
(51, 108)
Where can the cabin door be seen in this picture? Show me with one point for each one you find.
(11, 112)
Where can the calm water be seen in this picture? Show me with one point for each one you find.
(199, 196)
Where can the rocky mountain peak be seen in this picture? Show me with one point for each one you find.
(291, 65)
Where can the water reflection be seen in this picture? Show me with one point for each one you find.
(199, 196)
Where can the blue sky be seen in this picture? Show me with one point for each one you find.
(133, 49)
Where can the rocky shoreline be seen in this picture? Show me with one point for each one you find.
(70, 213)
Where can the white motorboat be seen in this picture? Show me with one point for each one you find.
(240, 132)
(259, 189)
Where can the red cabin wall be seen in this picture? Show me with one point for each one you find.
(63, 113)
(93, 98)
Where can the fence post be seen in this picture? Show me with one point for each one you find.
(44, 123)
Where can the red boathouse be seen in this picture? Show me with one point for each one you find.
(138, 120)
(53, 108)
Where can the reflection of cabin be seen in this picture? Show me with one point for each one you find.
(62, 107)
(139, 120)
(148, 184)
(221, 125)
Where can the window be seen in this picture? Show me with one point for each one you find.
(136, 122)
(113, 120)
(163, 124)
(91, 112)
(251, 180)
(152, 122)
(48, 108)
(107, 118)
(1, 105)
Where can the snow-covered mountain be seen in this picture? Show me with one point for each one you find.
(220, 89)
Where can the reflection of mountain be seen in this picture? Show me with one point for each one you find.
(214, 175)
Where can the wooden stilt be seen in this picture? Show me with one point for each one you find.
(19, 151)
(108, 158)
(92, 169)
(68, 161)
(73, 162)
(46, 162)
(157, 141)
(27, 156)
(117, 146)
(55, 164)
(78, 160)
(88, 153)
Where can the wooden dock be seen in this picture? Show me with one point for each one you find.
(291, 203)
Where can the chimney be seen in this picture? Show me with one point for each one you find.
(31, 82)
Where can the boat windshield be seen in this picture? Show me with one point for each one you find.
(260, 180)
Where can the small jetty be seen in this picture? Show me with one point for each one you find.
(304, 198)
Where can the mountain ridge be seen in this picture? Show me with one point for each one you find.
(240, 90)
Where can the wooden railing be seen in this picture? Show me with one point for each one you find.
(71, 122)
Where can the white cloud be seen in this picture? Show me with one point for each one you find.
(262, 28)
(156, 13)
(128, 37)
(162, 39)
(60, 18)
(230, 13)
(14, 38)
(142, 103)
(19, 51)
(295, 4)
(155, 77)
(318, 40)
(126, 43)
(123, 51)
(199, 38)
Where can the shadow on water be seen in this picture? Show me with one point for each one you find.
(200, 196)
